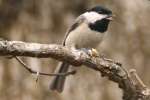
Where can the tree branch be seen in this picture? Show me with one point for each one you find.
(132, 86)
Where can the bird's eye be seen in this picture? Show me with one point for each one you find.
(100, 12)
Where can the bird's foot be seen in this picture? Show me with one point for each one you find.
(91, 52)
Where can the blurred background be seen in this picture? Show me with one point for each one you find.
(46, 21)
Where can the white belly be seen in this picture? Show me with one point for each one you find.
(83, 37)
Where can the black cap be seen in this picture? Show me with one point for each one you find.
(101, 10)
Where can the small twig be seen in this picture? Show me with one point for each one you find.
(40, 73)
(37, 76)
(136, 79)
(120, 65)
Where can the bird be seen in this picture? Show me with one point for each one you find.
(86, 32)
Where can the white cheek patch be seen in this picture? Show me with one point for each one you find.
(93, 16)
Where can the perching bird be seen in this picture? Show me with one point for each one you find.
(87, 32)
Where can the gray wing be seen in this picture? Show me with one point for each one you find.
(78, 21)
(59, 81)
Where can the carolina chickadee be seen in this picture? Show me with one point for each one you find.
(87, 32)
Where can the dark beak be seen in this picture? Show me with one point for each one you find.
(110, 17)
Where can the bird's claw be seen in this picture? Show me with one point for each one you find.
(93, 52)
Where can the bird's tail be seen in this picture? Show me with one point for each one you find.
(58, 81)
